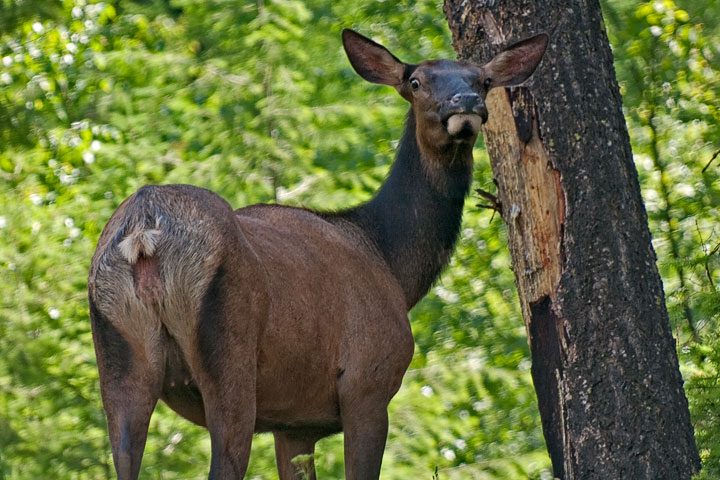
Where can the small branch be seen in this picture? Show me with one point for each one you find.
(706, 260)
(711, 160)
(707, 265)
(495, 204)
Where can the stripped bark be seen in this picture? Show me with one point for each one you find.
(604, 363)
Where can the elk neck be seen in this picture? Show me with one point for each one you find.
(414, 219)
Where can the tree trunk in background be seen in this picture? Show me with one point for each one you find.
(604, 363)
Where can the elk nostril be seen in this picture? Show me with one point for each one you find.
(467, 101)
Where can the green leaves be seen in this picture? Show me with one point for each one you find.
(256, 103)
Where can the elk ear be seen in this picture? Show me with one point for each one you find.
(371, 60)
(516, 63)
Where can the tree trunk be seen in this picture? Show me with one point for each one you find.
(604, 363)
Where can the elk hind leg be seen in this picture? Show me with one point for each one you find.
(130, 384)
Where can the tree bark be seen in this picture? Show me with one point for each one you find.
(605, 367)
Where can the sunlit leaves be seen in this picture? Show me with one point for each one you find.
(257, 102)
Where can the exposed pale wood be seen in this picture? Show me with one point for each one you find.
(534, 204)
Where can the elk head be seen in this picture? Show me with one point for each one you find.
(447, 97)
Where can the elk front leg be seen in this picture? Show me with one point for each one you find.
(289, 445)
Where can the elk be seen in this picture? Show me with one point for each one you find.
(279, 319)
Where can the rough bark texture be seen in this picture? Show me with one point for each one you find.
(604, 362)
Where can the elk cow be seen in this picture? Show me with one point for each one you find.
(286, 320)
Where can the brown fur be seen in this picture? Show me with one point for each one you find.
(274, 318)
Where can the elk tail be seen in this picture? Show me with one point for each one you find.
(139, 248)
(140, 243)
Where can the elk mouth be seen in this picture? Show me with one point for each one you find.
(463, 126)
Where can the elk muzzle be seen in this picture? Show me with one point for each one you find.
(465, 114)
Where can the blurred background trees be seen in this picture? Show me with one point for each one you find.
(256, 101)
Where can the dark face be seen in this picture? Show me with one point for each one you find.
(448, 99)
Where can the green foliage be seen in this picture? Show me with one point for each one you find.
(304, 464)
(703, 389)
(257, 102)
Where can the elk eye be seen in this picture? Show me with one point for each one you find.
(487, 82)
(414, 83)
